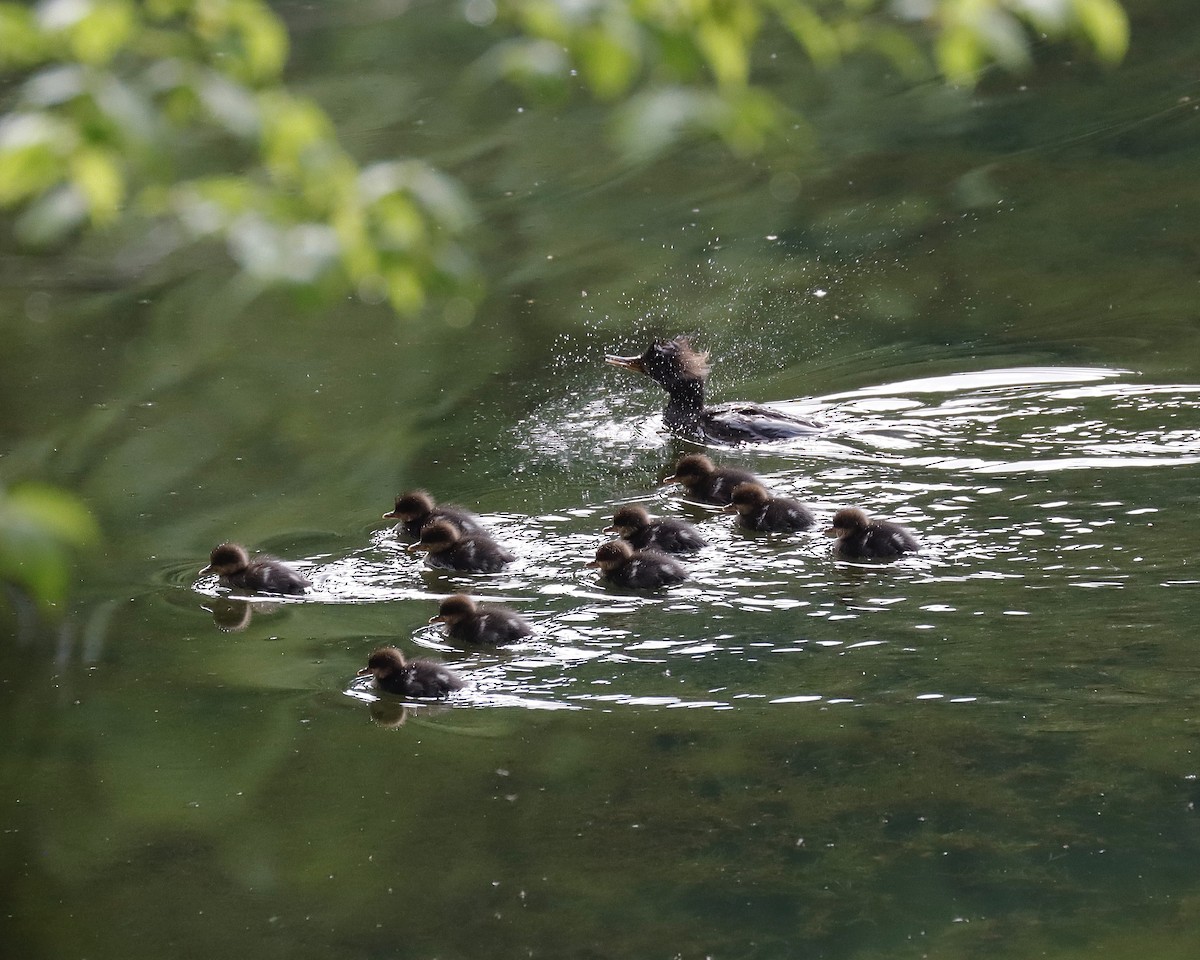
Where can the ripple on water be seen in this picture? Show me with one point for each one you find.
(968, 461)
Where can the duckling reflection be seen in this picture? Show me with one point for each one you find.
(634, 524)
(756, 509)
(393, 714)
(703, 480)
(861, 538)
(681, 370)
(450, 549)
(233, 616)
(389, 713)
(410, 678)
(233, 565)
(623, 566)
(417, 508)
(474, 624)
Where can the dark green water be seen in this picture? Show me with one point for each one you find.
(985, 751)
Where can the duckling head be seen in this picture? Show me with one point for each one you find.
(454, 610)
(227, 559)
(628, 519)
(611, 555)
(409, 506)
(436, 537)
(846, 521)
(691, 470)
(384, 662)
(747, 497)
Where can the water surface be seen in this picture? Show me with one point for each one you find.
(983, 749)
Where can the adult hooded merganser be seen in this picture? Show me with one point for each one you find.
(706, 482)
(620, 564)
(633, 524)
(681, 370)
(233, 565)
(861, 538)
(450, 549)
(417, 508)
(410, 678)
(756, 509)
(469, 622)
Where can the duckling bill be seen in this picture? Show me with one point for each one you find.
(233, 565)
(682, 371)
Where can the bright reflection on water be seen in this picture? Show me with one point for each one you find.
(968, 461)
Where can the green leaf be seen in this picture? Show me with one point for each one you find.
(21, 42)
(609, 60)
(32, 149)
(959, 55)
(746, 119)
(655, 119)
(97, 37)
(263, 40)
(47, 512)
(405, 291)
(39, 526)
(1002, 34)
(820, 41)
(97, 175)
(725, 50)
(1104, 22)
(292, 129)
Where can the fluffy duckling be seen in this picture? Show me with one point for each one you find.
(861, 538)
(233, 565)
(620, 564)
(446, 547)
(410, 678)
(417, 508)
(472, 623)
(681, 370)
(632, 523)
(702, 480)
(756, 509)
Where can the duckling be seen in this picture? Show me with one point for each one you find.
(756, 509)
(410, 678)
(233, 565)
(446, 547)
(861, 538)
(681, 370)
(468, 622)
(620, 564)
(632, 523)
(706, 482)
(417, 508)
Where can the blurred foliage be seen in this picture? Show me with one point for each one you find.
(117, 101)
(689, 64)
(122, 109)
(39, 529)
